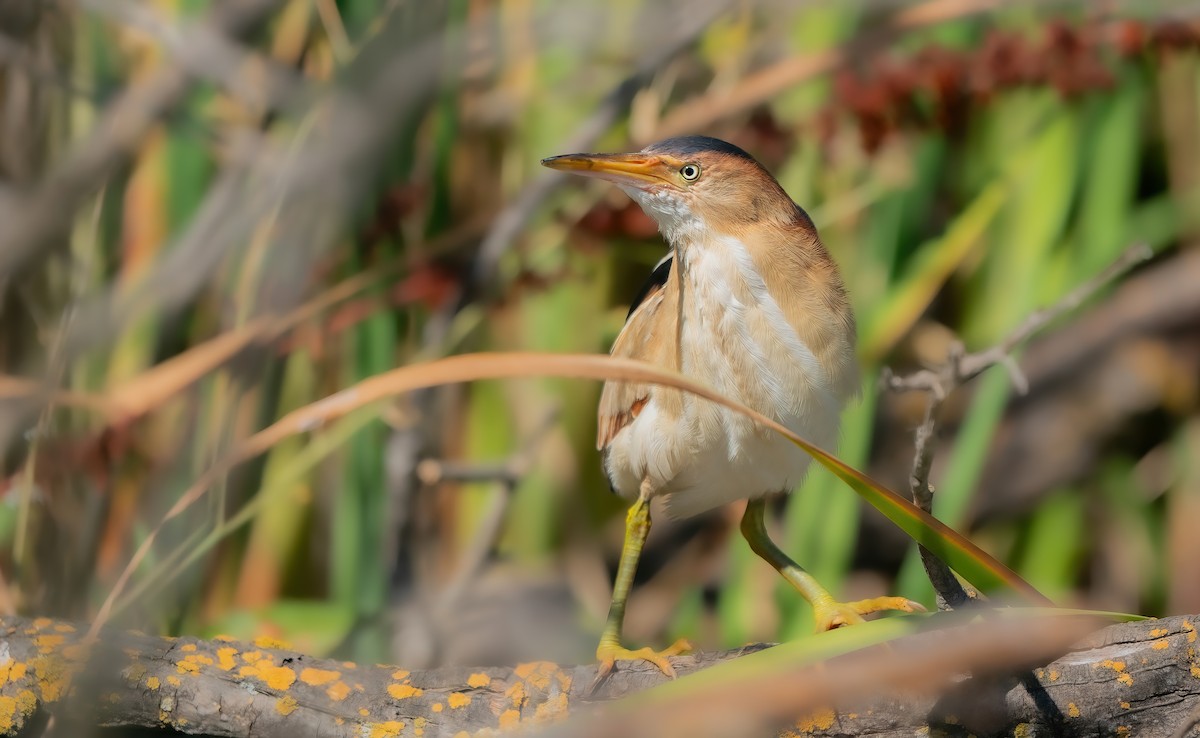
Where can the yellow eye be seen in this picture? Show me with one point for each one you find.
(690, 172)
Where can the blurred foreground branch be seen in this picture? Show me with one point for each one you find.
(226, 688)
(121, 129)
(960, 368)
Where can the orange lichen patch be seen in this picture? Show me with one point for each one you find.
(457, 700)
(1158, 632)
(269, 642)
(200, 658)
(349, 665)
(173, 681)
(152, 683)
(52, 677)
(363, 711)
(1023, 730)
(390, 729)
(338, 691)
(64, 627)
(819, 720)
(1124, 705)
(317, 677)
(399, 674)
(224, 638)
(188, 667)
(462, 734)
(419, 725)
(40, 623)
(26, 701)
(404, 691)
(14, 711)
(1122, 730)
(225, 658)
(1190, 629)
(509, 719)
(564, 680)
(286, 705)
(1073, 710)
(11, 672)
(1196, 671)
(1160, 644)
(537, 673)
(437, 707)
(552, 709)
(516, 693)
(1118, 666)
(275, 677)
(1054, 675)
(48, 642)
(251, 657)
(478, 680)
(188, 647)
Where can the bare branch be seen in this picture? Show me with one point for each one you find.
(509, 474)
(908, 685)
(961, 367)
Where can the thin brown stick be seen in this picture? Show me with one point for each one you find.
(961, 367)
(508, 474)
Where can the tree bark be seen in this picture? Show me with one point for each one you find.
(1139, 679)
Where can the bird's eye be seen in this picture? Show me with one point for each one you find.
(690, 172)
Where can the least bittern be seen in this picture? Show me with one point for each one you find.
(749, 302)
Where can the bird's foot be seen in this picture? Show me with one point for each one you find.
(610, 652)
(833, 614)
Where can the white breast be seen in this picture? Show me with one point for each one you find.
(738, 340)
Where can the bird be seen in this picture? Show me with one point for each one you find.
(750, 302)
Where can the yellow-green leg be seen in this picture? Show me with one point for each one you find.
(828, 612)
(610, 650)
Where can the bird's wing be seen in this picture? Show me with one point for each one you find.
(620, 402)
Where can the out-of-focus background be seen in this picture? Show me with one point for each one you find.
(214, 213)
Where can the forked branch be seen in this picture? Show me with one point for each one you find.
(961, 367)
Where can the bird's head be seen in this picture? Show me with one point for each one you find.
(691, 185)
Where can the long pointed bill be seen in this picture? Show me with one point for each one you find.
(634, 170)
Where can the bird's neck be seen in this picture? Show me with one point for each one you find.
(762, 288)
(676, 221)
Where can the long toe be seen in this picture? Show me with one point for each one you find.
(830, 615)
(610, 654)
(881, 604)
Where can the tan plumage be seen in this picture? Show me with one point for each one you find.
(751, 304)
(788, 354)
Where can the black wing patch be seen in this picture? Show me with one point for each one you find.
(657, 278)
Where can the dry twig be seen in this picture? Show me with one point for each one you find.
(961, 367)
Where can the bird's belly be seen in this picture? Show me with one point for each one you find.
(705, 456)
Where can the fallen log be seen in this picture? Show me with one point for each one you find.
(1127, 679)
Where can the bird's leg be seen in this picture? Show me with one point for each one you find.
(610, 650)
(828, 612)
